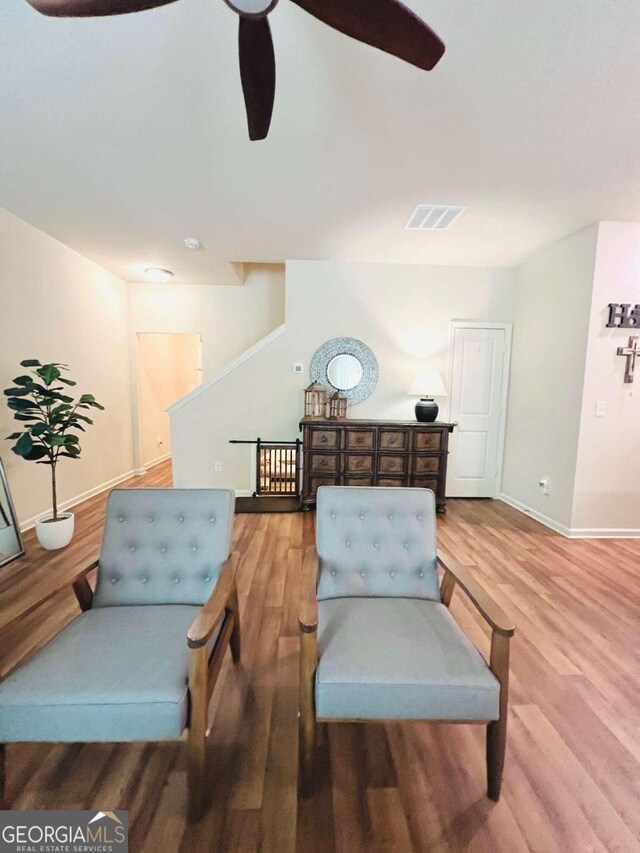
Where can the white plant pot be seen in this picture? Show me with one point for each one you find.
(55, 534)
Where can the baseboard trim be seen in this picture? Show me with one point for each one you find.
(152, 464)
(571, 532)
(604, 533)
(78, 499)
(538, 516)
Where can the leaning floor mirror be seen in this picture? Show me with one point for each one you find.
(10, 539)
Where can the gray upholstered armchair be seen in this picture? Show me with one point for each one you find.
(140, 662)
(378, 641)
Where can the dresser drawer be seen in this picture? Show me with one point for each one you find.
(391, 481)
(325, 439)
(358, 481)
(424, 440)
(388, 464)
(393, 439)
(359, 463)
(359, 439)
(324, 463)
(316, 482)
(426, 465)
(426, 483)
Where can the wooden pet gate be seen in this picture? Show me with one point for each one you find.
(277, 467)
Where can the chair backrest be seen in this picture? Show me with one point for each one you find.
(163, 546)
(376, 543)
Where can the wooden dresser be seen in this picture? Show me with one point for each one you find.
(374, 453)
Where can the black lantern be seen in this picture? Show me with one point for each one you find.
(337, 407)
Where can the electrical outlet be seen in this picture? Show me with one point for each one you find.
(217, 465)
(601, 408)
(160, 441)
(298, 367)
(544, 486)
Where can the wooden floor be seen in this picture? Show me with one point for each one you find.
(572, 777)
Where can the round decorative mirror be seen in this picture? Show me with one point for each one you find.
(346, 365)
(344, 372)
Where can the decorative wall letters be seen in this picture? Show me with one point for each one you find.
(623, 315)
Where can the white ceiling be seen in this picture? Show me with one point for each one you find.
(121, 136)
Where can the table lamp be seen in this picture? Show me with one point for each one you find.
(427, 385)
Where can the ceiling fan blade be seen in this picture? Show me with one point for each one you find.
(89, 8)
(258, 74)
(385, 24)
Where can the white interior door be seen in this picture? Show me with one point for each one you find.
(477, 404)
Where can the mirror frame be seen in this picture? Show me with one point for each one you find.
(4, 486)
(346, 346)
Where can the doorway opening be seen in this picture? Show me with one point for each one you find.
(169, 368)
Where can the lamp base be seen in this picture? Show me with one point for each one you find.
(426, 410)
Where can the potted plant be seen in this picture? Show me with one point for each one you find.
(50, 419)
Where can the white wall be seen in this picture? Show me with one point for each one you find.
(552, 307)
(230, 318)
(607, 483)
(56, 305)
(401, 311)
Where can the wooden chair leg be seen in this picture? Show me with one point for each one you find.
(197, 741)
(497, 730)
(307, 748)
(307, 721)
(234, 642)
(496, 746)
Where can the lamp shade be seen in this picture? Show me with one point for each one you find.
(428, 383)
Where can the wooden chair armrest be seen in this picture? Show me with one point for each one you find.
(308, 609)
(76, 574)
(219, 601)
(79, 582)
(83, 569)
(456, 573)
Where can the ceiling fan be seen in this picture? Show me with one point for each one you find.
(385, 24)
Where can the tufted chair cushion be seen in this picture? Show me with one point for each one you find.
(378, 542)
(426, 668)
(112, 674)
(163, 546)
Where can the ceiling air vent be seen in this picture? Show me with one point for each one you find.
(433, 217)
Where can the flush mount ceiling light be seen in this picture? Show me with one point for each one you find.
(192, 243)
(386, 24)
(159, 275)
(433, 217)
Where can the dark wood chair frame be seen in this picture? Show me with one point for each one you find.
(454, 575)
(220, 609)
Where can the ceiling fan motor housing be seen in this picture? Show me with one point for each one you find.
(252, 8)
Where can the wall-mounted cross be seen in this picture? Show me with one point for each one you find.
(630, 354)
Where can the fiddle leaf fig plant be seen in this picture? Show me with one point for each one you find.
(51, 417)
